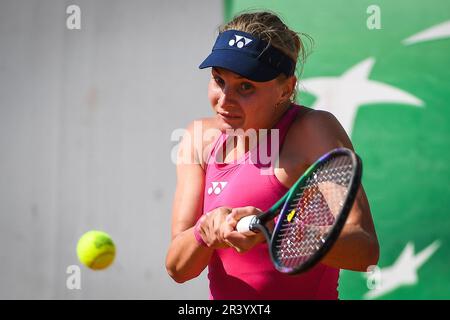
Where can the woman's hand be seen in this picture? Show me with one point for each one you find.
(210, 226)
(240, 242)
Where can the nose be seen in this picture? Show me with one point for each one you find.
(227, 97)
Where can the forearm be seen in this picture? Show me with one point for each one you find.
(354, 250)
(186, 258)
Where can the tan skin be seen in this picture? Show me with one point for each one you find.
(259, 105)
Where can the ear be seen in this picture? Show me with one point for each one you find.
(288, 88)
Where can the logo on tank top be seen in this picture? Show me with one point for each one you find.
(217, 187)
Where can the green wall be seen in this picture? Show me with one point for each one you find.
(401, 127)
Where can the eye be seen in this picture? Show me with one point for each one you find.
(246, 86)
(219, 80)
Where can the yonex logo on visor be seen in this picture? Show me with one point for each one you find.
(248, 56)
(239, 41)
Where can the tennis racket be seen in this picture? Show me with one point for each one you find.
(311, 215)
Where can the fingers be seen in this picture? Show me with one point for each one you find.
(242, 243)
(218, 228)
(238, 213)
(210, 227)
(225, 229)
(234, 239)
(239, 241)
(219, 222)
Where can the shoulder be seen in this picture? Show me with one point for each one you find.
(202, 125)
(199, 138)
(315, 132)
(310, 121)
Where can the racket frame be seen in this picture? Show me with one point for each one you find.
(280, 208)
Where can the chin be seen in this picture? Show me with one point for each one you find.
(224, 124)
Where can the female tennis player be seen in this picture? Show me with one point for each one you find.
(252, 87)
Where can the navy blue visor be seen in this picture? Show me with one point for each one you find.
(248, 56)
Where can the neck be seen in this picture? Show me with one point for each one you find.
(279, 112)
(243, 142)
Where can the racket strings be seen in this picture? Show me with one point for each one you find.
(312, 212)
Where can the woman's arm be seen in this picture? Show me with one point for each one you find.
(357, 246)
(186, 258)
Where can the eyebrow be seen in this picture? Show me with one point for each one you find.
(235, 75)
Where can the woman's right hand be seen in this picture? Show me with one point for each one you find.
(209, 227)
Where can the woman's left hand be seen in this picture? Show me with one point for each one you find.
(240, 242)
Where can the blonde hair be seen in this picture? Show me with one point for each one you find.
(269, 27)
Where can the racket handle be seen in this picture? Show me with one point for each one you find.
(243, 225)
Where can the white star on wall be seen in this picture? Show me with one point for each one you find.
(403, 271)
(440, 31)
(342, 96)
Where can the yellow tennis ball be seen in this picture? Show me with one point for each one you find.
(96, 250)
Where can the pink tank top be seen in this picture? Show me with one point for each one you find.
(251, 275)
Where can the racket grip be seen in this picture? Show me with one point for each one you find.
(243, 225)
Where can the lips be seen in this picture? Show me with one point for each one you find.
(228, 116)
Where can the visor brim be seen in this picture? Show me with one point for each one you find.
(240, 63)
